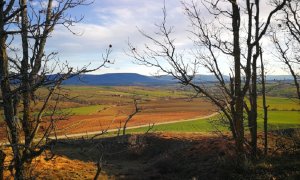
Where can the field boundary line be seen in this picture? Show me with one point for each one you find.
(133, 127)
(128, 128)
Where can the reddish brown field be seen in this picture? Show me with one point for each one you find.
(152, 112)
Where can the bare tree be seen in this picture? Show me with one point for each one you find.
(130, 116)
(233, 30)
(25, 70)
(287, 40)
(99, 163)
(264, 102)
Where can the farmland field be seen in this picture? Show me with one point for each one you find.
(91, 109)
(95, 108)
(283, 113)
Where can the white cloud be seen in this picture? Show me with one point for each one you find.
(114, 22)
(109, 22)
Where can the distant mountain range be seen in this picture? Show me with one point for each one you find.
(128, 79)
(115, 79)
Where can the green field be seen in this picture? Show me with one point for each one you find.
(283, 113)
(281, 104)
(277, 120)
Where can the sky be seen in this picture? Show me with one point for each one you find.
(112, 22)
(116, 22)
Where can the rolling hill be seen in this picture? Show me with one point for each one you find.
(130, 79)
(115, 79)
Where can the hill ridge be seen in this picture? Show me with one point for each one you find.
(127, 79)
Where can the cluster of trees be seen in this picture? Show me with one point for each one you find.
(233, 31)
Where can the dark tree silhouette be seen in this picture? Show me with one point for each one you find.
(24, 71)
(232, 30)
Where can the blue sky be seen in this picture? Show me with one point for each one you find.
(115, 22)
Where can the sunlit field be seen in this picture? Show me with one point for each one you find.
(95, 108)
(283, 113)
(171, 118)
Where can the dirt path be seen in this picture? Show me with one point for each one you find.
(74, 135)
(132, 127)
(93, 133)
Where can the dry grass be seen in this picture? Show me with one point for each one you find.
(60, 167)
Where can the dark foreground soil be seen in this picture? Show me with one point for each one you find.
(164, 156)
(161, 156)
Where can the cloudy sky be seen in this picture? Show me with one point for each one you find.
(115, 22)
(111, 22)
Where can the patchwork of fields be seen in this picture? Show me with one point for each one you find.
(97, 108)
(91, 108)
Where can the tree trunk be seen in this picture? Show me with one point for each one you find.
(2, 159)
(26, 122)
(239, 98)
(265, 107)
(8, 98)
(253, 93)
(253, 112)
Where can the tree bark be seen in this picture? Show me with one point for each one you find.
(239, 98)
(253, 92)
(2, 160)
(265, 107)
(26, 124)
(8, 97)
